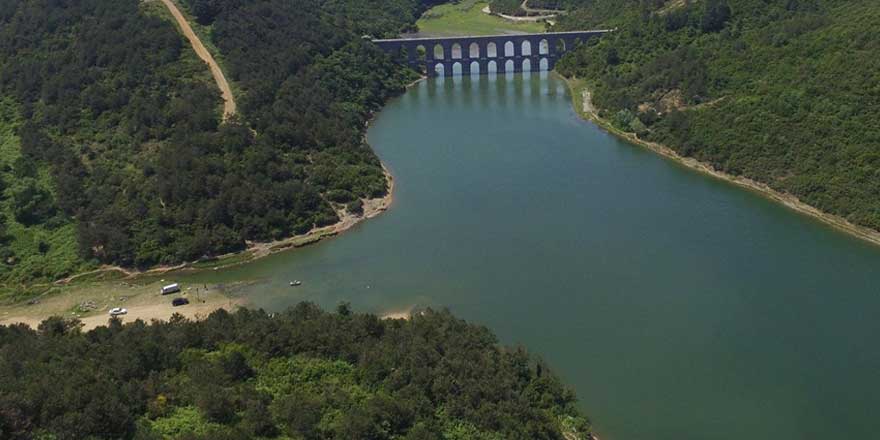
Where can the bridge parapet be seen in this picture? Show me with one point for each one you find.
(539, 50)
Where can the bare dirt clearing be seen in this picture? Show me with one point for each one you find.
(91, 302)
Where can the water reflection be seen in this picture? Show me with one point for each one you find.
(677, 306)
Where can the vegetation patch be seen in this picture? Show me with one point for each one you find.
(781, 93)
(112, 150)
(467, 18)
(300, 374)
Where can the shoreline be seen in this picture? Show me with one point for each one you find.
(256, 250)
(106, 275)
(583, 106)
(145, 304)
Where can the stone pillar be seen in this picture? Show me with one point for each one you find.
(499, 44)
(412, 53)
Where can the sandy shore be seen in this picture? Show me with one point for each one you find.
(584, 106)
(398, 313)
(91, 303)
(127, 288)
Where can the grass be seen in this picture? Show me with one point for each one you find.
(36, 253)
(467, 18)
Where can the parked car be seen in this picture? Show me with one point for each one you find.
(179, 302)
(116, 311)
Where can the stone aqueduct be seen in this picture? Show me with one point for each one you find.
(506, 53)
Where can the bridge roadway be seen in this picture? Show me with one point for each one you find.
(509, 52)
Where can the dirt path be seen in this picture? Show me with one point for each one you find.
(202, 52)
(551, 12)
(523, 19)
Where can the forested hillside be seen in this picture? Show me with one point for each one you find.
(786, 92)
(301, 374)
(111, 147)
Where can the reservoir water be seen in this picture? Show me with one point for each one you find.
(676, 305)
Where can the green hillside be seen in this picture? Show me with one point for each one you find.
(467, 18)
(112, 149)
(785, 92)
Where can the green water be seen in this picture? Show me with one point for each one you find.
(677, 306)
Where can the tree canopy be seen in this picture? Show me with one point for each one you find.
(112, 149)
(783, 92)
(300, 374)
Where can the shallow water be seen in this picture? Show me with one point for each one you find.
(678, 306)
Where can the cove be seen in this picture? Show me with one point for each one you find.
(676, 305)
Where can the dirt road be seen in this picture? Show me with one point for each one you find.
(202, 52)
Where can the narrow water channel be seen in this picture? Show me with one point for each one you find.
(677, 306)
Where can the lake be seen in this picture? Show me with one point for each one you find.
(676, 305)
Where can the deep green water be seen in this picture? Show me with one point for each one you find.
(677, 306)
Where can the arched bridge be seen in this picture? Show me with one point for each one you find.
(506, 53)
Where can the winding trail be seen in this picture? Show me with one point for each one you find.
(545, 14)
(202, 52)
(550, 12)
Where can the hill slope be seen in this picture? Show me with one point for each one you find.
(783, 92)
(113, 150)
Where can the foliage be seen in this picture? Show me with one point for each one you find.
(303, 374)
(113, 151)
(36, 240)
(186, 420)
(467, 18)
(507, 7)
(781, 92)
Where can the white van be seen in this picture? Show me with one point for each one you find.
(171, 288)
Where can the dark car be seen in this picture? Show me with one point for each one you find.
(179, 302)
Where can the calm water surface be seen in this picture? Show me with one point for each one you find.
(677, 306)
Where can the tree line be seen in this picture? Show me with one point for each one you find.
(113, 151)
(780, 92)
(303, 373)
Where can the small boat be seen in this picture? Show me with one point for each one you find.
(295, 283)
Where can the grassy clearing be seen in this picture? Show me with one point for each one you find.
(467, 18)
(30, 253)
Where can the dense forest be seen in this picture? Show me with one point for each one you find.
(112, 150)
(785, 92)
(300, 374)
